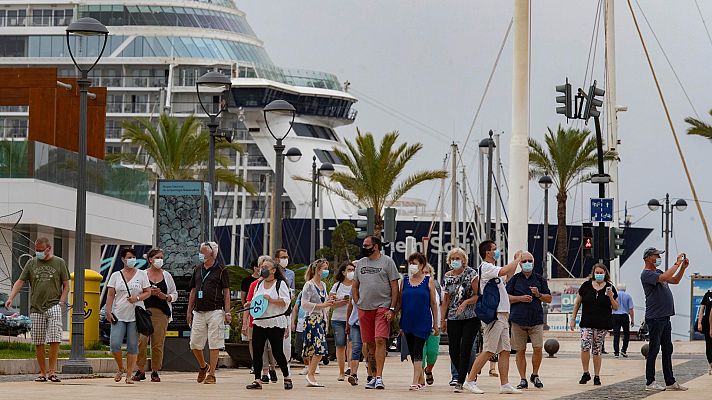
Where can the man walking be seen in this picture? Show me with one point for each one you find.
(496, 333)
(623, 318)
(282, 256)
(49, 284)
(527, 291)
(375, 291)
(659, 307)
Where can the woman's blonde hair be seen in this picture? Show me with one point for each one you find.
(460, 252)
(311, 271)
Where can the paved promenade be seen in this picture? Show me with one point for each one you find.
(622, 379)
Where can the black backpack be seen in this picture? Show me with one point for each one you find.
(289, 307)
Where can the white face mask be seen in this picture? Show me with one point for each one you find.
(413, 269)
(350, 275)
(284, 262)
(158, 263)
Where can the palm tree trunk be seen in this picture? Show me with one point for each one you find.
(379, 225)
(562, 240)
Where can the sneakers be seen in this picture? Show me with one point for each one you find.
(523, 384)
(273, 375)
(458, 388)
(371, 384)
(318, 371)
(654, 387)
(139, 376)
(209, 380)
(472, 387)
(304, 371)
(353, 380)
(453, 382)
(623, 353)
(615, 355)
(597, 380)
(585, 378)
(509, 389)
(379, 383)
(265, 379)
(155, 377)
(536, 381)
(676, 387)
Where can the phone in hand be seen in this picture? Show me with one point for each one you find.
(609, 289)
(113, 319)
(347, 297)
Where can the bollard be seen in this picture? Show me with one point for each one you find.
(551, 346)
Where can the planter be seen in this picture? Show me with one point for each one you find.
(240, 354)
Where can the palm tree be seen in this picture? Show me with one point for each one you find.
(374, 177)
(698, 127)
(179, 151)
(569, 154)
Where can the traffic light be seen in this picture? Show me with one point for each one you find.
(564, 100)
(592, 103)
(367, 226)
(587, 239)
(616, 243)
(389, 224)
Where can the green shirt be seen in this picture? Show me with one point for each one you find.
(46, 279)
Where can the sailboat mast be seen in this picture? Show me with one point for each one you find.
(612, 124)
(453, 187)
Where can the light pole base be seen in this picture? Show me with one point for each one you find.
(77, 367)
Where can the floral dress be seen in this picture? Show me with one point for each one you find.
(315, 320)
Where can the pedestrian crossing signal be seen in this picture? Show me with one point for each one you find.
(587, 239)
(588, 245)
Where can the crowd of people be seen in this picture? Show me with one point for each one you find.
(487, 312)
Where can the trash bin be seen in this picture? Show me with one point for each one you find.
(92, 291)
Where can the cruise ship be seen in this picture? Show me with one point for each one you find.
(155, 52)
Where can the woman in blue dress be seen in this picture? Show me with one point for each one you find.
(419, 312)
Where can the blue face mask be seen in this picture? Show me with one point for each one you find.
(527, 267)
(497, 254)
(131, 262)
(324, 274)
(658, 262)
(599, 277)
(40, 255)
(456, 264)
(201, 257)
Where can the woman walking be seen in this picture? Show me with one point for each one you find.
(458, 317)
(432, 345)
(163, 293)
(272, 325)
(597, 298)
(340, 293)
(419, 312)
(316, 305)
(704, 322)
(128, 288)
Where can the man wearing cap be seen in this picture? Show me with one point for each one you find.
(659, 307)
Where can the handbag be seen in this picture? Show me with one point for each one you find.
(144, 325)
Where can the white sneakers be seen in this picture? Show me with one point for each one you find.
(676, 387)
(304, 371)
(509, 389)
(472, 387)
(654, 387)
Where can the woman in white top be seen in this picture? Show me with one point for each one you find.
(340, 293)
(316, 304)
(128, 289)
(272, 325)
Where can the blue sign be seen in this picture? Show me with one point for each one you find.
(601, 210)
(259, 306)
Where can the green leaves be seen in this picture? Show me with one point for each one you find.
(699, 128)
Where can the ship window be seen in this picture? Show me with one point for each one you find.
(328, 156)
(13, 46)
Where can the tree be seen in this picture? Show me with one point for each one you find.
(568, 155)
(374, 176)
(698, 127)
(179, 151)
(342, 247)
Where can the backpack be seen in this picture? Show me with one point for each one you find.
(289, 306)
(488, 300)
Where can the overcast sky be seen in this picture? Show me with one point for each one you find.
(428, 62)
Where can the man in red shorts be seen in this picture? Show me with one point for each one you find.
(375, 290)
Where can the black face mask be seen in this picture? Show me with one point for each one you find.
(367, 252)
(264, 273)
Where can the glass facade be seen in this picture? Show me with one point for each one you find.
(314, 131)
(305, 105)
(327, 156)
(118, 15)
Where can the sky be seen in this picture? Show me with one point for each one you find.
(420, 67)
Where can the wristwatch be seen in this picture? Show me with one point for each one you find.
(392, 309)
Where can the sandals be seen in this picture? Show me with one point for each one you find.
(54, 378)
(41, 378)
(414, 387)
(256, 385)
(288, 384)
(493, 373)
(429, 377)
(118, 375)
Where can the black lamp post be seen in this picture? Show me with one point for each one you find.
(279, 108)
(545, 183)
(214, 80)
(326, 169)
(77, 364)
(487, 145)
(667, 221)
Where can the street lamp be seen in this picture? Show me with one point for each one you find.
(326, 169)
(213, 80)
(77, 364)
(667, 221)
(487, 146)
(545, 183)
(279, 108)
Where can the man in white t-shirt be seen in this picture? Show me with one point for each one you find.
(496, 333)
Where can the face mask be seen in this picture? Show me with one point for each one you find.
(324, 274)
(599, 277)
(284, 262)
(455, 264)
(131, 262)
(658, 261)
(497, 254)
(40, 255)
(201, 257)
(413, 269)
(264, 273)
(158, 263)
(367, 252)
(527, 267)
(350, 275)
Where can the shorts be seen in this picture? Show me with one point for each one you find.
(121, 330)
(592, 340)
(47, 326)
(496, 334)
(520, 334)
(208, 326)
(339, 328)
(374, 325)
